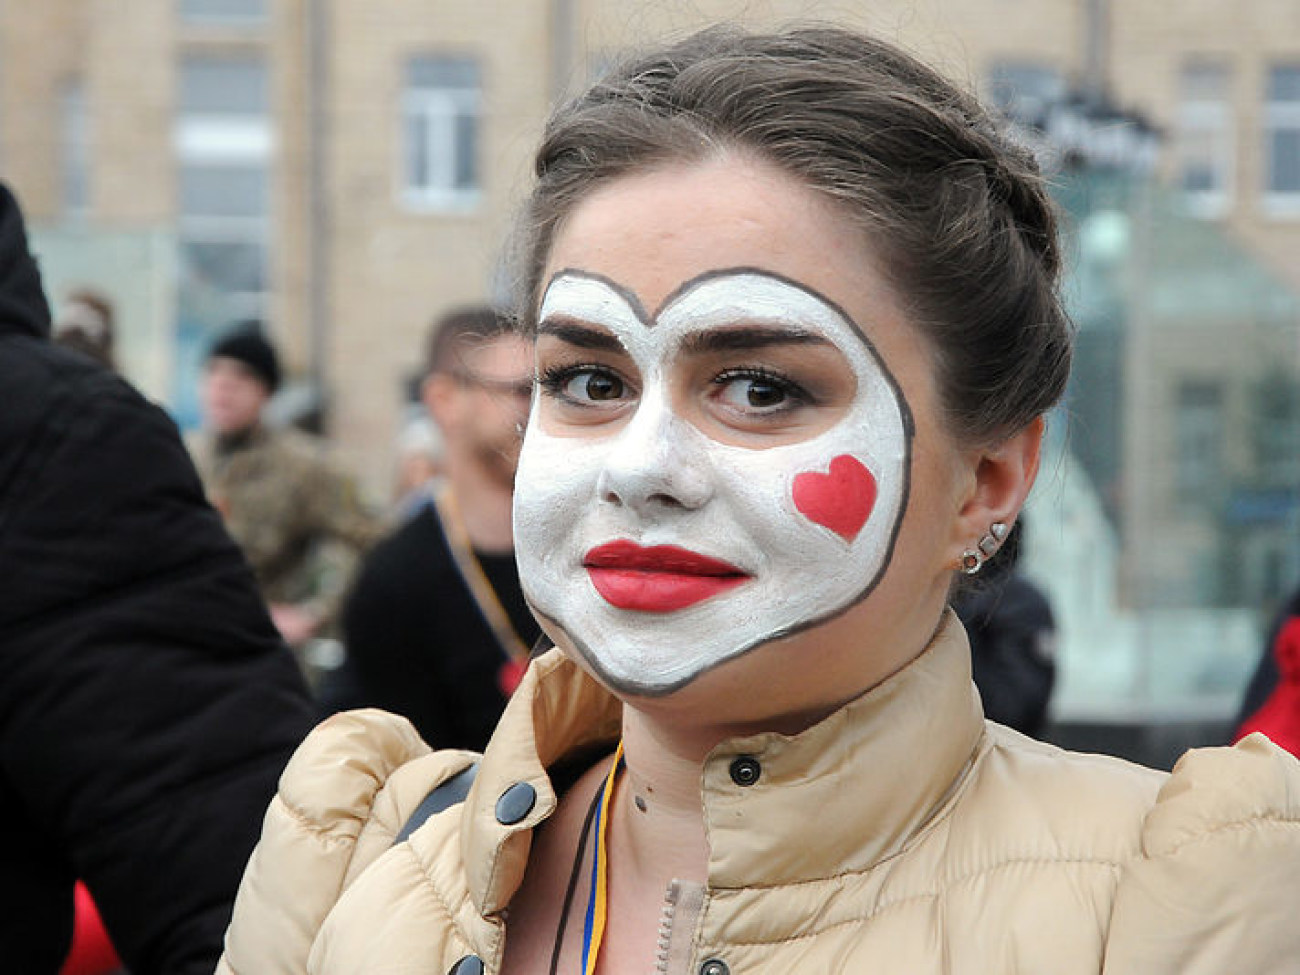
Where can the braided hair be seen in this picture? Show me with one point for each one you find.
(955, 210)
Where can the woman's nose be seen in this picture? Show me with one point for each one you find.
(658, 462)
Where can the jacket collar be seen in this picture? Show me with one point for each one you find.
(227, 444)
(873, 774)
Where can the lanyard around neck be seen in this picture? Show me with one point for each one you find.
(593, 927)
(471, 570)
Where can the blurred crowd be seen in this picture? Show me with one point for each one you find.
(175, 620)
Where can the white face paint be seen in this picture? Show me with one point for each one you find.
(801, 530)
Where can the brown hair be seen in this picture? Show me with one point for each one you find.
(453, 333)
(957, 212)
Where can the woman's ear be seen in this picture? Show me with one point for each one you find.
(1003, 475)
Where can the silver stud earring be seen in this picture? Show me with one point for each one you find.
(973, 559)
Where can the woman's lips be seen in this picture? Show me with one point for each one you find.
(658, 579)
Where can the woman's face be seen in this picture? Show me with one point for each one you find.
(734, 440)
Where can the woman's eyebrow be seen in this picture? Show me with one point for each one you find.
(750, 337)
(583, 336)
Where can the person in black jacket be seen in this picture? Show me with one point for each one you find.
(1271, 703)
(147, 704)
(436, 626)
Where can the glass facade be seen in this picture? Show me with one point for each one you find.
(1165, 521)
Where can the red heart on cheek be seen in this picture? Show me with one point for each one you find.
(840, 499)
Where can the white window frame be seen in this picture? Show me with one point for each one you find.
(223, 138)
(1213, 119)
(439, 107)
(1279, 116)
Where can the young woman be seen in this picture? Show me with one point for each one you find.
(794, 300)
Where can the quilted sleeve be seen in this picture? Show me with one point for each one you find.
(342, 799)
(1215, 891)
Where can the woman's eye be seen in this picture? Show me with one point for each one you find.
(750, 392)
(585, 385)
(598, 387)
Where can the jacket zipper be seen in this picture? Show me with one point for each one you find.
(666, 916)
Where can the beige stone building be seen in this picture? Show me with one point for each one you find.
(347, 169)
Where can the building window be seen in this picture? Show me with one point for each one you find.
(223, 145)
(1025, 91)
(74, 151)
(223, 242)
(1282, 140)
(1276, 431)
(441, 122)
(1199, 442)
(224, 148)
(223, 85)
(222, 13)
(1205, 141)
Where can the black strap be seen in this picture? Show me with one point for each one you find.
(442, 796)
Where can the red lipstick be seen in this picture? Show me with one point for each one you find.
(658, 579)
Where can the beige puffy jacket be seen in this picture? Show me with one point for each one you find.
(903, 834)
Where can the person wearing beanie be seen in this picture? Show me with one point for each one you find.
(241, 374)
(247, 345)
(294, 512)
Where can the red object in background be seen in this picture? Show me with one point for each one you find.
(92, 953)
(510, 674)
(1279, 717)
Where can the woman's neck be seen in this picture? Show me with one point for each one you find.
(658, 831)
(658, 823)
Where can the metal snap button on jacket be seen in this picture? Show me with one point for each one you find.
(715, 966)
(515, 803)
(469, 965)
(745, 770)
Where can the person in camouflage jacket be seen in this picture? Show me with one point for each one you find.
(294, 512)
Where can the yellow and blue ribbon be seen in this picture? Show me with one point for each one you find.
(593, 926)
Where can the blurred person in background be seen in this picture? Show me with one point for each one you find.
(147, 704)
(419, 450)
(436, 627)
(294, 512)
(1012, 635)
(87, 323)
(1272, 700)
